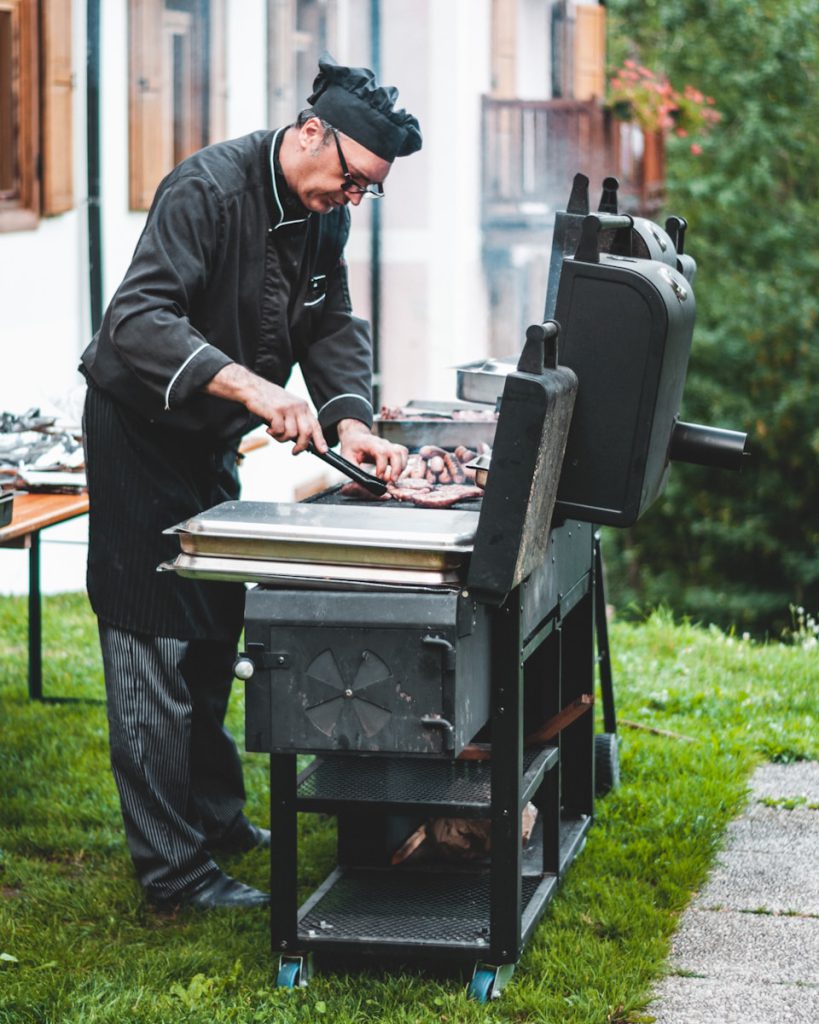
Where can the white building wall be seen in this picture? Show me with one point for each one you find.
(433, 296)
(459, 70)
(534, 65)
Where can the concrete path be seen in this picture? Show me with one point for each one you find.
(747, 949)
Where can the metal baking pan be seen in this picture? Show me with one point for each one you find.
(430, 539)
(483, 381)
(248, 570)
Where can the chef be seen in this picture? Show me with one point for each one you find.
(238, 275)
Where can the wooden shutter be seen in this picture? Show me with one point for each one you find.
(57, 103)
(146, 148)
(504, 49)
(20, 195)
(589, 51)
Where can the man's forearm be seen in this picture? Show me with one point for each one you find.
(289, 418)
(237, 384)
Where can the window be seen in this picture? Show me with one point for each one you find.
(299, 30)
(589, 52)
(578, 50)
(35, 111)
(176, 87)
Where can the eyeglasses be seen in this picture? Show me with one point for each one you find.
(350, 186)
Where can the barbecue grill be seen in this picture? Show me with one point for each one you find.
(440, 663)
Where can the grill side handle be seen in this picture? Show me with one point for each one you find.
(588, 251)
(707, 446)
(540, 348)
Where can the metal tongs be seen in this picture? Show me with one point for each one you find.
(350, 469)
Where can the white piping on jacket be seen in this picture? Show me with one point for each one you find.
(282, 222)
(176, 375)
(347, 394)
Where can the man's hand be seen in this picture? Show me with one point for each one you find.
(359, 445)
(288, 417)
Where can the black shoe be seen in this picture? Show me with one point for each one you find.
(214, 891)
(249, 838)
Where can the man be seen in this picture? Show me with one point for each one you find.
(238, 275)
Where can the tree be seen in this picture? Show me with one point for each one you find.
(739, 549)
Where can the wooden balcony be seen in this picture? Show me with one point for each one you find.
(533, 148)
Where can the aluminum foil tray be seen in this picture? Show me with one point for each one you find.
(412, 538)
(329, 576)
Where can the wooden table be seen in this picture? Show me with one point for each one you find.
(32, 513)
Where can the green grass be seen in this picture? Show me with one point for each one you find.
(86, 949)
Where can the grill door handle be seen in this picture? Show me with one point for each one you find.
(438, 723)
(449, 651)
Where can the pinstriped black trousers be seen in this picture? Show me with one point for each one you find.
(175, 764)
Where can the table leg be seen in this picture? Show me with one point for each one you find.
(35, 623)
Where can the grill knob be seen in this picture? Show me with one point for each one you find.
(243, 668)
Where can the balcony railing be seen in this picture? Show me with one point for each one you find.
(533, 148)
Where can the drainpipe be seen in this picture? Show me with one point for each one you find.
(375, 223)
(92, 72)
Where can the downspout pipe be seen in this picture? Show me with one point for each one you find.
(92, 73)
(375, 223)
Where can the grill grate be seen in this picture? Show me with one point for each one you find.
(405, 908)
(333, 496)
(451, 785)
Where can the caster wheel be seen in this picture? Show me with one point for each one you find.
(288, 976)
(606, 763)
(480, 988)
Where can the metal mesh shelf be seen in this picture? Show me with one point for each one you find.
(403, 909)
(440, 907)
(397, 784)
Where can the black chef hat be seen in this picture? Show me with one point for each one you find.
(351, 100)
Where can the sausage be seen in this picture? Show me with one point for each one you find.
(416, 468)
(456, 470)
(428, 450)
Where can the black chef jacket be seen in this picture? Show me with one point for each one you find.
(229, 268)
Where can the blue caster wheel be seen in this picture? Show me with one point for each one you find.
(480, 988)
(288, 976)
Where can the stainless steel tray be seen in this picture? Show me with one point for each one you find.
(429, 539)
(307, 573)
(447, 434)
(484, 380)
(433, 422)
